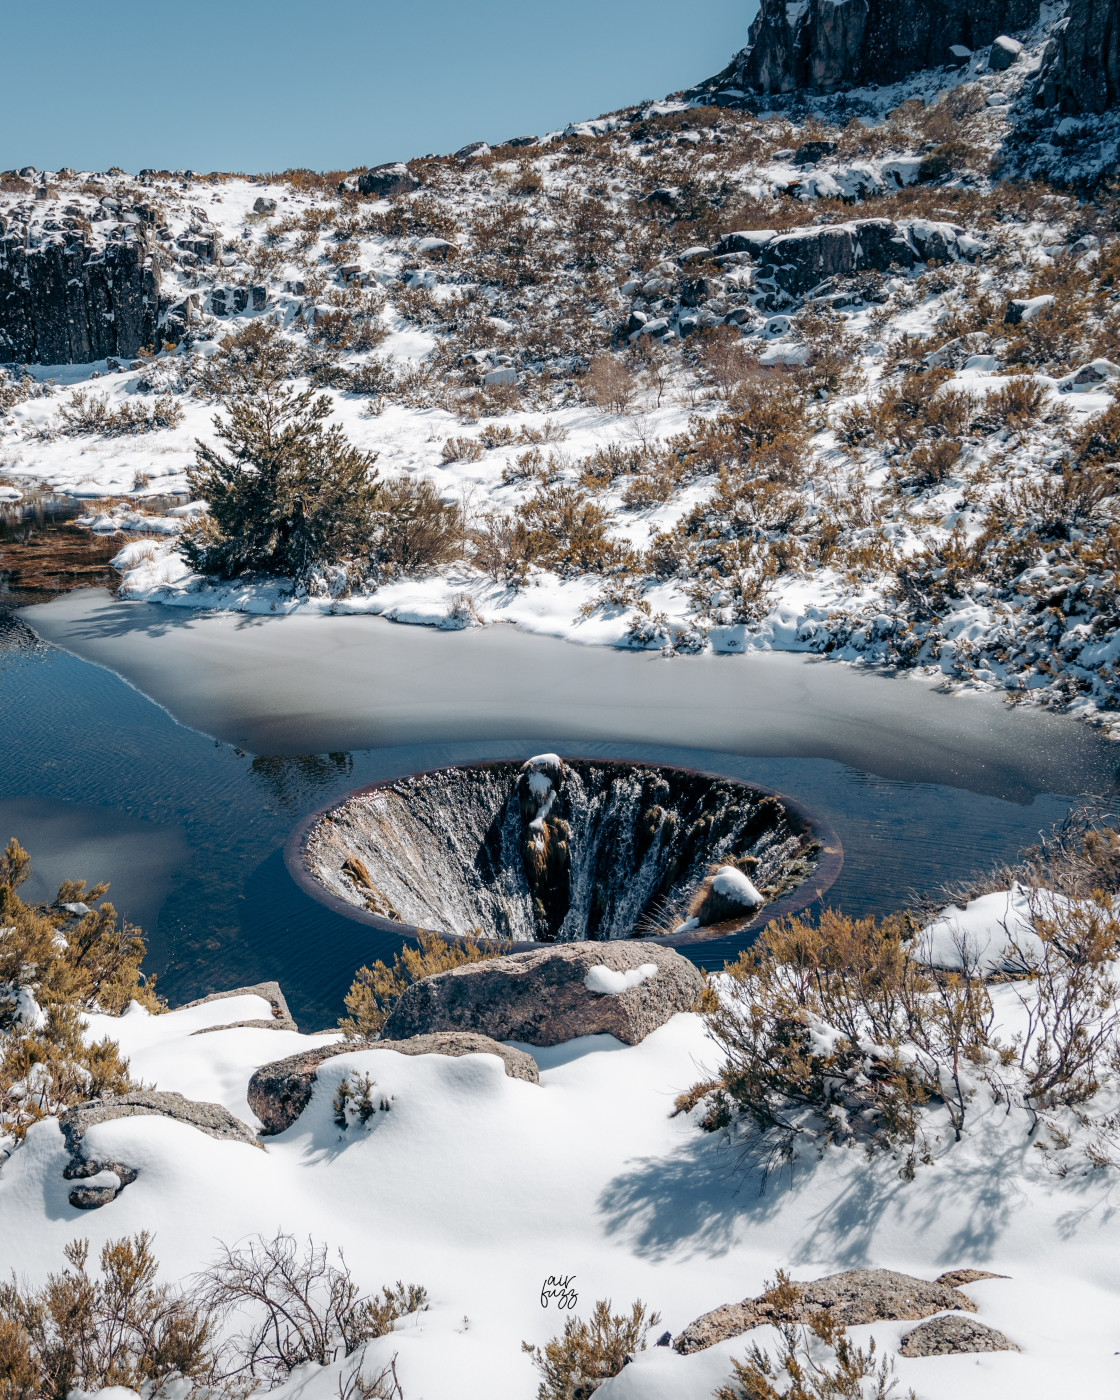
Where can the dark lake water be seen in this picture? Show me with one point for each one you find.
(99, 781)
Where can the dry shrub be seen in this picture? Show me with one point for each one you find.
(817, 1361)
(610, 385)
(567, 532)
(587, 1353)
(931, 463)
(907, 409)
(1098, 442)
(375, 990)
(90, 413)
(296, 1307)
(84, 1332)
(413, 529)
(65, 965)
(462, 449)
(343, 329)
(498, 545)
(835, 1034)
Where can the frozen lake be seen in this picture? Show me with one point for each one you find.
(173, 752)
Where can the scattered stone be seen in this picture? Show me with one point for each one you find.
(281, 1020)
(279, 1092)
(853, 1298)
(951, 1336)
(665, 198)
(541, 997)
(1004, 52)
(959, 55)
(506, 374)
(261, 205)
(388, 181)
(809, 152)
(472, 148)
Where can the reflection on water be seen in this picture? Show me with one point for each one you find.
(215, 896)
(290, 778)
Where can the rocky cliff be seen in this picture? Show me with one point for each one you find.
(829, 44)
(68, 296)
(1081, 71)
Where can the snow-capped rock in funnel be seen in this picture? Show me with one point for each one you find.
(543, 997)
(725, 895)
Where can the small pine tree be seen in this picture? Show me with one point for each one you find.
(292, 494)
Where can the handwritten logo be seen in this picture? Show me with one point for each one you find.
(559, 1287)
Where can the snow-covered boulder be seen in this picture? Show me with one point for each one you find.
(1089, 378)
(853, 1298)
(543, 997)
(1004, 52)
(994, 933)
(1021, 309)
(279, 1092)
(100, 1181)
(388, 181)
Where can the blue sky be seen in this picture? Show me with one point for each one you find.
(255, 86)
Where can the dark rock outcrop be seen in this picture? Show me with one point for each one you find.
(279, 1092)
(96, 1174)
(951, 1336)
(543, 997)
(830, 44)
(802, 259)
(388, 181)
(853, 1298)
(1081, 69)
(68, 298)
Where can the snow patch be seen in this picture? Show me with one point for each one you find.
(607, 982)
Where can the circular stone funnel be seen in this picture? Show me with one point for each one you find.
(565, 850)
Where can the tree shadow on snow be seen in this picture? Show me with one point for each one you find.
(708, 1196)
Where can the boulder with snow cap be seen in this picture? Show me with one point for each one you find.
(852, 1298)
(279, 1092)
(388, 181)
(727, 894)
(1095, 375)
(1004, 52)
(551, 995)
(1021, 309)
(280, 1018)
(100, 1180)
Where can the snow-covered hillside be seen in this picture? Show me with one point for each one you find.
(584, 1175)
(680, 392)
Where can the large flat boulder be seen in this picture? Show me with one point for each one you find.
(853, 1298)
(550, 995)
(279, 1092)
